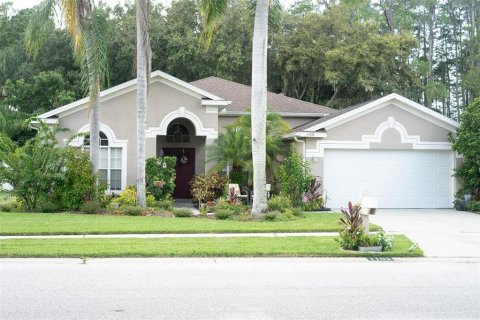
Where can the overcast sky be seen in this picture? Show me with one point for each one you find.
(21, 4)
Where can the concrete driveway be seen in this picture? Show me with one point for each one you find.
(439, 232)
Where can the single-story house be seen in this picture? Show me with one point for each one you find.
(391, 148)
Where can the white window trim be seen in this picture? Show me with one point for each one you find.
(113, 142)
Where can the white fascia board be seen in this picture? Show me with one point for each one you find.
(422, 111)
(305, 134)
(131, 85)
(283, 114)
(216, 102)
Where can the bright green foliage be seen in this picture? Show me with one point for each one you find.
(160, 171)
(375, 239)
(279, 203)
(234, 148)
(15, 125)
(182, 212)
(467, 143)
(79, 183)
(128, 197)
(208, 187)
(33, 169)
(294, 177)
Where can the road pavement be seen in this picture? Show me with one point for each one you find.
(240, 288)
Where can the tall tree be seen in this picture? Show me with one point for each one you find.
(143, 75)
(87, 29)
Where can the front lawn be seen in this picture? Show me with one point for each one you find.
(193, 247)
(12, 223)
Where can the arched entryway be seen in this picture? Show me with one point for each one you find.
(182, 142)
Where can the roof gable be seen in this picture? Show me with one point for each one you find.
(359, 110)
(156, 76)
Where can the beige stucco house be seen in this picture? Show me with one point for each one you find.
(391, 148)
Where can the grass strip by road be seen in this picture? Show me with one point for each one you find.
(192, 247)
(12, 223)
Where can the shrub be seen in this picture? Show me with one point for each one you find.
(376, 239)
(235, 208)
(467, 143)
(34, 168)
(473, 205)
(160, 176)
(270, 216)
(127, 197)
(166, 204)
(79, 184)
(182, 212)
(297, 212)
(6, 207)
(349, 241)
(294, 177)
(313, 192)
(133, 210)
(47, 206)
(224, 214)
(208, 187)
(352, 220)
(91, 207)
(279, 203)
(314, 205)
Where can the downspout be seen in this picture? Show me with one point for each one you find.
(304, 147)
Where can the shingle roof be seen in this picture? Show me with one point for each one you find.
(240, 96)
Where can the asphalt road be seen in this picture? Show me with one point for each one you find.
(307, 288)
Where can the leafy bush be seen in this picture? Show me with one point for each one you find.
(208, 187)
(236, 208)
(133, 210)
(313, 193)
(128, 197)
(166, 204)
(375, 239)
(79, 183)
(160, 176)
(233, 195)
(34, 168)
(47, 206)
(467, 143)
(270, 216)
(91, 207)
(182, 213)
(349, 241)
(279, 203)
(314, 205)
(352, 220)
(473, 205)
(294, 177)
(6, 207)
(224, 214)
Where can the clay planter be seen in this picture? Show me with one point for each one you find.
(370, 249)
(159, 184)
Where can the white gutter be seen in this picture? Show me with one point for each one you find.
(304, 147)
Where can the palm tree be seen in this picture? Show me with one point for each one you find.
(143, 76)
(87, 27)
(233, 148)
(212, 12)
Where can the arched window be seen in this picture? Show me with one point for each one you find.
(178, 133)
(110, 166)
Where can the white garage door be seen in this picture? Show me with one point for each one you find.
(397, 178)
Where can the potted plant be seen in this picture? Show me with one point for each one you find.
(376, 242)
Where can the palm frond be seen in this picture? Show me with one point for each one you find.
(274, 14)
(212, 13)
(40, 25)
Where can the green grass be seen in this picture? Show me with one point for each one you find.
(192, 247)
(12, 223)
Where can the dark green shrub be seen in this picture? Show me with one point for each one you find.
(91, 207)
(79, 184)
(224, 214)
(133, 210)
(279, 203)
(296, 212)
(473, 205)
(235, 208)
(160, 176)
(166, 204)
(182, 212)
(295, 177)
(47, 206)
(208, 187)
(270, 216)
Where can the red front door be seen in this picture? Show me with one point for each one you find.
(185, 170)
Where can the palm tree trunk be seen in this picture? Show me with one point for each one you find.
(259, 106)
(95, 128)
(141, 6)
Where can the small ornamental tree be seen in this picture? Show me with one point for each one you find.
(33, 169)
(467, 143)
(295, 177)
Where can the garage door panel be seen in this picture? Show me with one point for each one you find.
(397, 178)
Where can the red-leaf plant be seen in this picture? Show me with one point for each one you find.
(313, 193)
(233, 196)
(352, 220)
